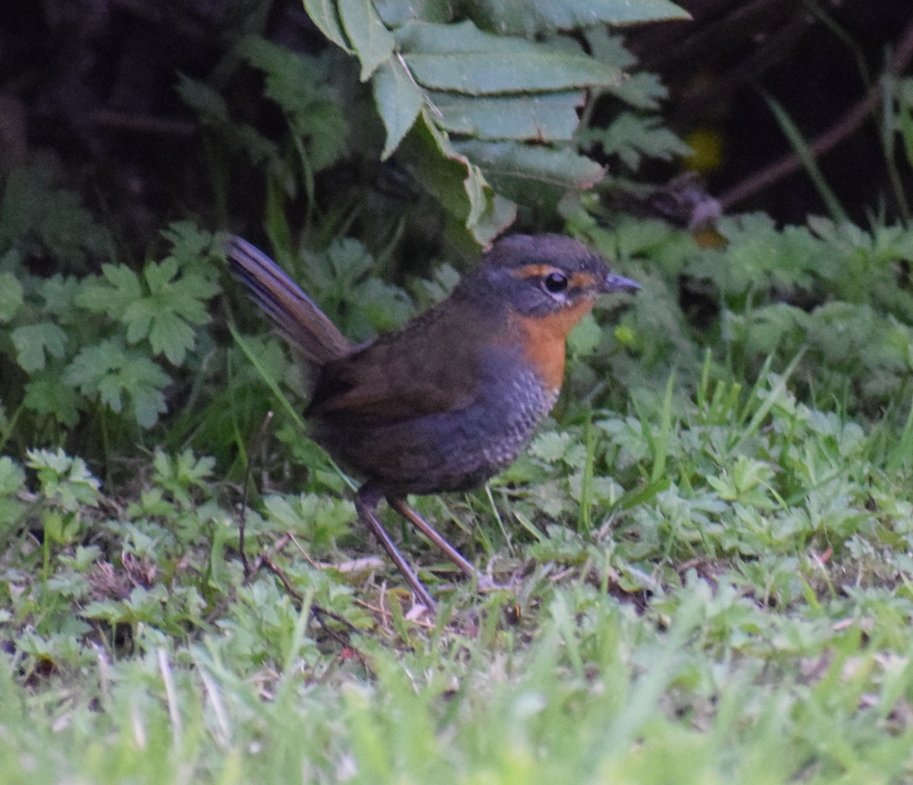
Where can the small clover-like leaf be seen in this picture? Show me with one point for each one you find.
(34, 341)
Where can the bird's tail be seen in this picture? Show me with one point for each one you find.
(296, 315)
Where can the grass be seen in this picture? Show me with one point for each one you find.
(732, 606)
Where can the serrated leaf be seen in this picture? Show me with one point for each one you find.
(168, 334)
(585, 336)
(12, 477)
(111, 371)
(66, 481)
(37, 217)
(323, 14)
(372, 41)
(59, 293)
(213, 112)
(341, 275)
(550, 446)
(461, 58)
(34, 341)
(10, 296)
(562, 167)
(547, 117)
(189, 243)
(112, 298)
(317, 518)
(162, 314)
(538, 16)
(642, 90)
(297, 83)
(608, 48)
(47, 394)
(398, 99)
(456, 183)
(632, 136)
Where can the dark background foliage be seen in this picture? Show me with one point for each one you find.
(91, 85)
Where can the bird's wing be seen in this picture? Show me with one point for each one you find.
(430, 366)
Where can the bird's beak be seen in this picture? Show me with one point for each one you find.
(617, 283)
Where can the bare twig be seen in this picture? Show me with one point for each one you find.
(845, 127)
(242, 519)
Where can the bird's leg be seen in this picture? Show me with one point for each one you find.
(366, 501)
(399, 504)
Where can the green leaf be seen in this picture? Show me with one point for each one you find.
(807, 157)
(213, 112)
(538, 16)
(341, 275)
(632, 136)
(12, 477)
(112, 298)
(372, 41)
(399, 100)
(317, 519)
(546, 117)
(32, 341)
(12, 481)
(463, 59)
(562, 167)
(59, 295)
(36, 217)
(550, 446)
(111, 371)
(585, 336)
(48, 394)
(10, 296)
(323, 14)
(642, 90)
(396, 13)
(191, 246)
(456, 183)
(173, 300)
(298, 84)
(65, 481)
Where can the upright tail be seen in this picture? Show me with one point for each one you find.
(296, 315)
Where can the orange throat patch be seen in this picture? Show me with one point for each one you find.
(544, 339)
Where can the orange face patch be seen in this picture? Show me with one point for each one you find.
(534, 271)
(582, 281)
(544, 338)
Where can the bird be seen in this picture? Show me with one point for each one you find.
(450, 398)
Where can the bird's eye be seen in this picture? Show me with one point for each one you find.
(555, 283)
